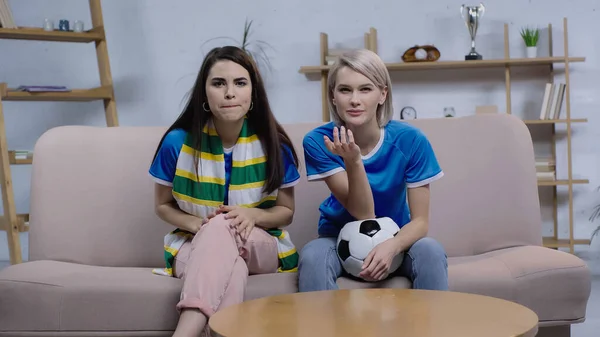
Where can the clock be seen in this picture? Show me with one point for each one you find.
(408, 112)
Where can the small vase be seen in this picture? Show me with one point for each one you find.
(532, 52)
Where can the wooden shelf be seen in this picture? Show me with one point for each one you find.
(10, 221)
(14, 161)
(561, 182)
(22, 222)
(554, 121)
(551, 242)
(81, 95)
(30, 33)
(498, 63)
(503, 66)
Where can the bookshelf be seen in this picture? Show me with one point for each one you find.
(11, 222)
(507, 63)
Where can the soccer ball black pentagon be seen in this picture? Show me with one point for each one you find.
(358, 238)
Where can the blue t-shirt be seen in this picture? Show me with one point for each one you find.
(403, 158)
(163, 167)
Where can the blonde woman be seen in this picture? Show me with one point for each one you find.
(375, 167)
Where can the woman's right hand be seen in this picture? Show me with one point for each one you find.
(343, 144)
(197, 223)
(207, 219)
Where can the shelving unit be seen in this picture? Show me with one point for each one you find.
(458, 64)
(507, 63)
(11, 222)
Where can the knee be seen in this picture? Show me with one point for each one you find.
(217, 227)
(315, 255)
(428, 250)
(219, 219)
(309, 254)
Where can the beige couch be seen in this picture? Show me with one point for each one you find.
(94, 236)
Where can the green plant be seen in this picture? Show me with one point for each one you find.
(259, 54)
(530, 36)
(256, 49)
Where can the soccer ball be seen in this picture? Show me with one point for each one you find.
(358, 238)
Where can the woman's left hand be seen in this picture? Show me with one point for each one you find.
(377, 264)
(242, 218)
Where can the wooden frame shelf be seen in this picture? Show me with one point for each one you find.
(12, 159)
(10, 221)
(39, 34)
(560, 182)
(505, 63)
(499, 63)
(22, 222)
(75, 95)
(552, 242)
(554, 121)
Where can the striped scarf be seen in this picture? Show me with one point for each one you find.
(201, 194)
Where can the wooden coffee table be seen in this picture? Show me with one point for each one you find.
(376, 312)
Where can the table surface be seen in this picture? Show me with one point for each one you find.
(376, 312)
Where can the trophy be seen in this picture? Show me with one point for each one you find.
(471, 15)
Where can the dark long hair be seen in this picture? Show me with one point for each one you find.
(260, 119)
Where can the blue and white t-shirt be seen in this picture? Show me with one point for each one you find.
(163, 167)
(403, 158)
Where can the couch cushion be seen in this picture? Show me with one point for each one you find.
(554, 284)
(45, 296)
(271, 284)
(59, 296)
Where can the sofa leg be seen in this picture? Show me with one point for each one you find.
(555, 331)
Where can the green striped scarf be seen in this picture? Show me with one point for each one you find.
(202, 194)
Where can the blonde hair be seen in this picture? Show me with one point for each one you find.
(372, 67)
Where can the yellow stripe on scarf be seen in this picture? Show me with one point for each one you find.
(244, 163)
(210, 130)
(203, 179)
(280, 236)
(171, 250)
(286, 254)
(246, 186)
(203, 155)
(246, 140)
(200, 202)
(254, 204)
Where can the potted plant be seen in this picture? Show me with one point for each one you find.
(259, 54)
(256, 49)
(531, 37)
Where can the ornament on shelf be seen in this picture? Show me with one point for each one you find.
(421, 53)
(408, 112)
(449, 111)
(471, 15)
(63, 25)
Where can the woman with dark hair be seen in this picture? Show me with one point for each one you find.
(225, 173)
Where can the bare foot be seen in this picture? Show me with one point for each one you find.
(191, 323)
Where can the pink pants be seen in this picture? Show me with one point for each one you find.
(214, 266)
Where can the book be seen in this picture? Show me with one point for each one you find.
(42, 88)
(545, 102)
(6, 18)
(552, 101)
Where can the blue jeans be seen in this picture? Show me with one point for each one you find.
(425, 265)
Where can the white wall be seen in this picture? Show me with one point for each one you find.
(156, 48)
